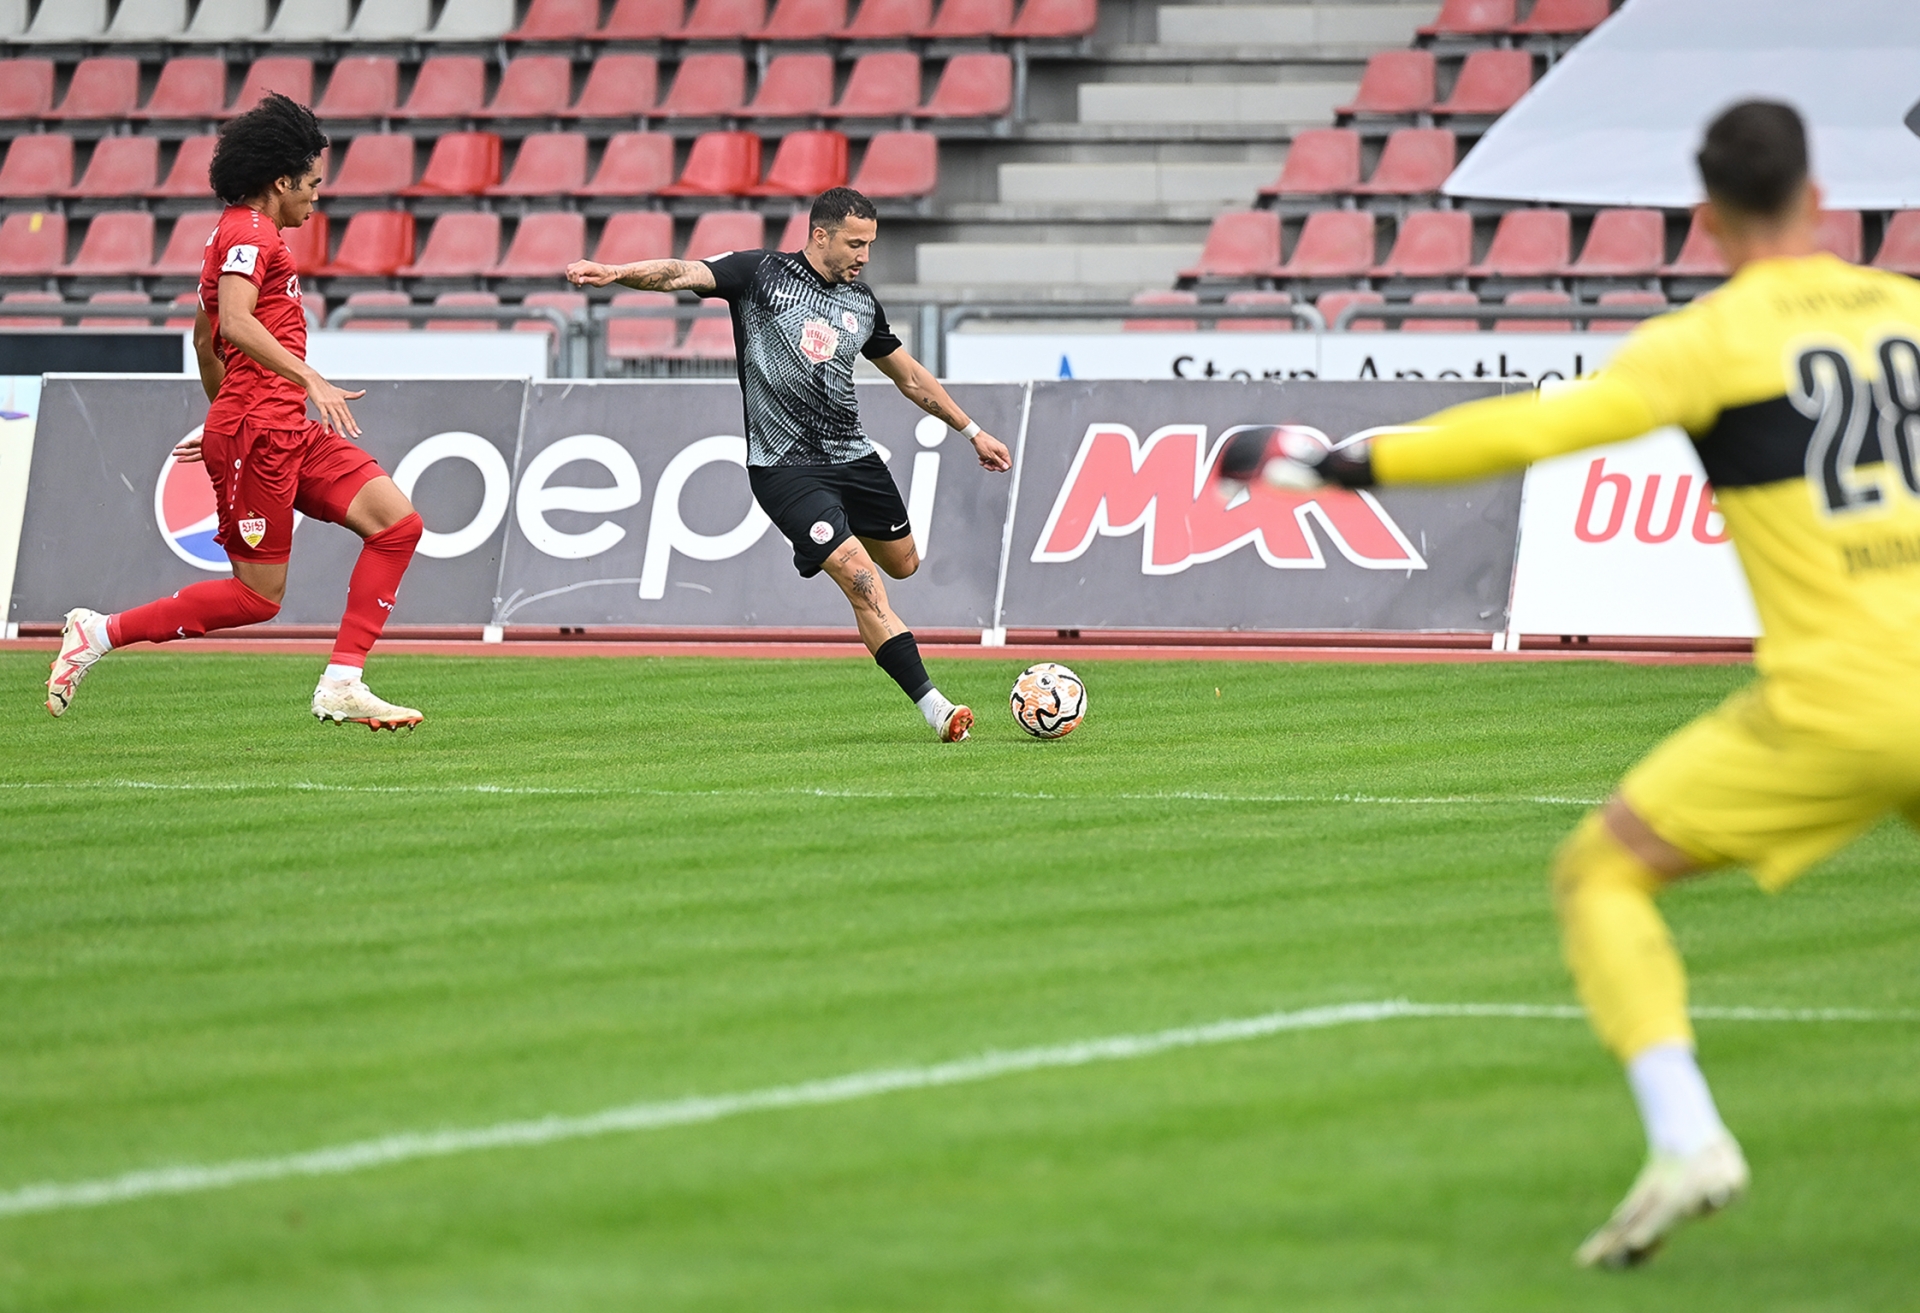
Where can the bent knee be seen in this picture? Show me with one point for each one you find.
(1593, 857)
(903, 568)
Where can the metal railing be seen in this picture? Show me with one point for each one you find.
(1578, 312)
(69, 312)
(569, 344)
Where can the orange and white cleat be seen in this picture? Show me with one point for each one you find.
(340, 700)
(954, 728)
(82, 642)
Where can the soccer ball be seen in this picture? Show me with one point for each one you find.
(1048, 700)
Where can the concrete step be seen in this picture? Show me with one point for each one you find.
(1117, 266)
(1381, 25)
(1303, 104)
(1135, 184)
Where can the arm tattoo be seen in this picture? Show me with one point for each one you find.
(660, 275)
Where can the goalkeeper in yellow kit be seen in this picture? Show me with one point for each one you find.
(1799, 382)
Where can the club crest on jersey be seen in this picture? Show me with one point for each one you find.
(818, 340)
(849, 322)
(252, 530)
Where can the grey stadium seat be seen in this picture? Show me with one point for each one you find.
(145, 18)
(69, 19)
(13, 17)
(228, 20)
(307, 20)
(471, 20)
(389, 19)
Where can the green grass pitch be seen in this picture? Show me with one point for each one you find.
(651, 904)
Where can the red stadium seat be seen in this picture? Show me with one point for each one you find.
(644, 20)
(1240, 244)
(1333, 244)
(710, 337)
(549, 164)
(1472, 18)
(462, 164)
(374, 164)
(1162, 297)
(362, 87)
(379, 300)
(26, 88)
(972, 86)
(706, 86)
(188, 176)
(1563, 17)
(899, 165)
(375, 245)
(970, 18)
(104, 87)
(1442, 325)
(795, 86)
(635, 235)
(13, 319)
(634, 164)
(448, 87)
(460, 245)
(571, 304)
(1699, 255)
(1490, 82)
(641, 339)
(40, 166)
(1430, 244)
(1042, 19)
(805, 164)
(121, 166)
(1900, 247)
(307, 244)
(465, 325)
(1622, 244)
(1535, 297)
(1395, 82)
(724, 20)
(187, 244)
(533, 86)
(117, 243)
(720, 164)
(1528, 244)
(32, 244)
(191, 87)
(889, 20)
(805, 20)
(117, 298)
(1840, 234)
(1283, 325)
(1415, 161)
(1330, 304)
(558, 20)
(542, 246)
(882, 85)
(1625, 297)
(1320, 162)
(725, 230)
(291, 77)
(188, 301)
(798, 232)
(618, 87)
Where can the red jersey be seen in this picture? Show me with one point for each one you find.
(246, 243)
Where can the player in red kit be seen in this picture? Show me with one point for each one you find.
(265, 458)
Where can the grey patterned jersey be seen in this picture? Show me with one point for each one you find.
(795, 336)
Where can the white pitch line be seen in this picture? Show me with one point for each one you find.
(410, 1146)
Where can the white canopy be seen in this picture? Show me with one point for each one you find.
(1618, 120)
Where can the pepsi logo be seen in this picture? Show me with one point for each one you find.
(183, 508)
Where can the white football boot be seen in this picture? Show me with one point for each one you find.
(1669, 1190)
(954, 729)
(81, 644)
(351, 700)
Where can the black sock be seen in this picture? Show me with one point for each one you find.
(899, 656)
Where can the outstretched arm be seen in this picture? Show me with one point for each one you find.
(646, 275)
(918, 385)
(1509, 433)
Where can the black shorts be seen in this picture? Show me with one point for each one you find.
(818, 507)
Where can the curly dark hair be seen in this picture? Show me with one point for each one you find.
(277, 138)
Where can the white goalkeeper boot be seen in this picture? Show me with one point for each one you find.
(351, 700)
(1669, 1190)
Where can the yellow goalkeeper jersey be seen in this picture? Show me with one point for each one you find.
(1799, 382)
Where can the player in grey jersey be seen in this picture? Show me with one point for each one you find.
(800, 321)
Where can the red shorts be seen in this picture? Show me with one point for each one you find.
(262, 476)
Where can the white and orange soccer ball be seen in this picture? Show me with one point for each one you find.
(1048, 700)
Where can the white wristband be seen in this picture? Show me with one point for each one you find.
(972, 430)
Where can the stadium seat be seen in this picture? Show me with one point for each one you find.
(798, 232)
(899, 165)
(378, 300)
(805, 164)
(1045, 19)
(462, 164)
(1900, 246)
(465, 325)
(191, 87)
(542, 246)
(1415, 161)
(634, 164)
(644, 20)
(228, 20)
(558, 20)
(571, 304)
(724, 20)
(972, 86)
(532, 86)
(187, 301)
(1538, 296)
(720, 164)
(307, 244)
(375, 245)
(12, 318)
(1162, 297)
(634, 235)
(459, 245)
(120, 167)
(1442, 325)
(1333, 244)
(725, 230)
(1840, 234)
(39, 166)
(117, 243)
(137, 20)
(448, 87)
(549, 164)
(105, 87)
(1430, 244)
(187, 245)
(1330, 304)
(1699, 255)
(1394, 82)
(641, 339)
(805, 20)
(32, 244)
(889, 20)
(1528, 244)
(116, 321)
(309, 20)
(26, 88)
(374, 164)
(69, 19)
(885, 84)
(1490, 82)
(794, 86)
(618, 87)
(362, 87)
(1628, 296)
(1240, 244)
(1563, 18)
(1622, 244)
(969, 18)
(474, 20)
(706, 86)
(1472, 18)
(1320, 162)
(292, 78)
(390, 20)
(1281, 325)
(710, 337)
(188, 176)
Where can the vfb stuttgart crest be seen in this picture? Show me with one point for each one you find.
(252, 529)
(819, 340)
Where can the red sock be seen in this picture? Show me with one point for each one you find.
(191, 612)
(371, 589)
